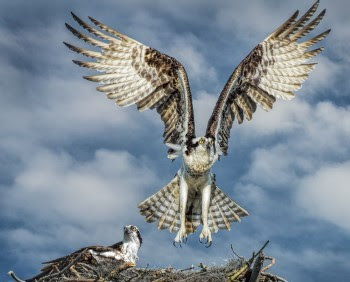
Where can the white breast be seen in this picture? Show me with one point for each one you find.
(199, 161)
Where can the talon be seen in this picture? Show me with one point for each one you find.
(185, 240)
(174, 243)
(200, 240)
(210, 243)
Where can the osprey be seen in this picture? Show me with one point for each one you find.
(133, 73)
(121, 254)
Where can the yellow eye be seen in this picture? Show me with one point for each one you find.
(201, 141)
(133, 228)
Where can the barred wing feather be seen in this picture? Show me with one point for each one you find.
(133, 73)
(275, 68)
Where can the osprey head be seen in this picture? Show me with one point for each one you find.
(203, 143)
(132, 233)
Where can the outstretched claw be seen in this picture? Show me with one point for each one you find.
(210, 243)
(181, 236)
(207, 235)
(174, 243)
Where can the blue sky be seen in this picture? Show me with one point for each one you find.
(73, 167)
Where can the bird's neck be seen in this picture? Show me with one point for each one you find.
(131, 248)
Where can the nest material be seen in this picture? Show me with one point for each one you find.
(79, 269)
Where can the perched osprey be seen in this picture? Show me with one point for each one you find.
(122, 253)
(133, 73)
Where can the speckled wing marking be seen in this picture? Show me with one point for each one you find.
(274, 69)
(137, 74)
(223, 210)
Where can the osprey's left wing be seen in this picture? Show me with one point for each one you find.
(134, 73)
(274, 68)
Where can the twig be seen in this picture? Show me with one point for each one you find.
(232, 276)
(135, 276)
(14, 277)
(256, 254)
(236, 253)
(193, 276)
(273, 261)
(120, 268)
(189, 268)
(64, 269)
(203, 267)
(272, 276)
(81, 280)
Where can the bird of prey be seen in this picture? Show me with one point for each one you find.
(133, 73)
(122, 254)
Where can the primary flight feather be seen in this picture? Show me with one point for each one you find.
(133, 73)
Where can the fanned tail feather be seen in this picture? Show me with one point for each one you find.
(223, 210)
(164, 207)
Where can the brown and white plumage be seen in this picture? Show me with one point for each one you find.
(121, 254)
(164, 205)
(133, 73)
(275, 68)
(137, 74)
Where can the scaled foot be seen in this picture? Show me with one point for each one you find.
(181, 236)
(206, 234)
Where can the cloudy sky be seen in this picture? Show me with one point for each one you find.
(73, 166)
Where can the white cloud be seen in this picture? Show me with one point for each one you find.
(56, 186)
(325, 194)
(62, 202)
(304, 137)
(187, 50)
(324, 78)
(203, 104)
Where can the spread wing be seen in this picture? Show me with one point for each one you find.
(82, 251)
(133, 73)
(274, 69)
(57, 266)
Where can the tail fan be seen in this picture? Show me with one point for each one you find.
(223, 210)
(164, 207)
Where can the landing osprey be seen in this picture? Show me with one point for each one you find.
(121, 254)
(134, 73)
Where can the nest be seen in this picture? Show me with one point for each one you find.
(240, 270)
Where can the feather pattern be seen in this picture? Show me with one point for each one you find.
(133, 73)
(275, 68)
(164, 207)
